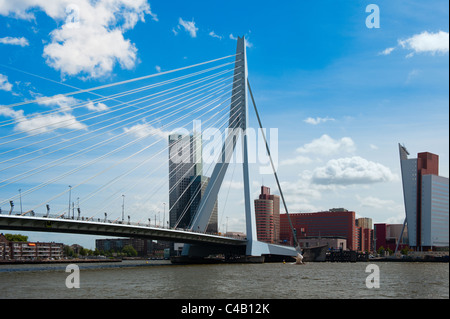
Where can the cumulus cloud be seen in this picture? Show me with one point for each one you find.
(47, 123)
(425, 42)
(42, 123)
(64, 103)
(325, 145)
(38, 123)
(23, 42)
(351, 171)
(90, 40)
(4, 84)
(144, 129)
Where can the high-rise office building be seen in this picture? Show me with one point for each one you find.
(197, 189)
(184, 162)
(267, 213)
(426, 200)
(186, 182)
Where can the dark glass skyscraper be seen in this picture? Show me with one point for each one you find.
(186, 182)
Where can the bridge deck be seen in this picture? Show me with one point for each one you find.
(61, 225)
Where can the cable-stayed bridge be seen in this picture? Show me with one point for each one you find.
(99, 145)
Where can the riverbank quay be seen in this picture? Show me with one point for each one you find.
(59, 261)
(417, 256)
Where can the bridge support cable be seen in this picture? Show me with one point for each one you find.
(158, 153)
(104, 156)
(102, 97)
(46, 99)
(138, 139)
(72, 144)
(182, 215)
(152, 191)
(164, 149)
(113, 109)
(183, 99)
(205, 86)
(187, 172)
(203, 127)
(294, 235)
(69, 157)
(195, 195)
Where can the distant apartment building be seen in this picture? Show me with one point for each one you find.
(365, 234)
(335, 223)
(143, 247)
(425, 196)
(15, 250)
(387, 236)
(267, 216)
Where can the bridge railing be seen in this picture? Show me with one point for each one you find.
(109, 221)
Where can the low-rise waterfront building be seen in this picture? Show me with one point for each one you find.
(24, 250)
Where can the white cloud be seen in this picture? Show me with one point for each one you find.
(37, 123)
(325, 145)
(189, 26)
(65, 103)
(300, 194)
(351, 171)
(317, 120)
(96, 107)
(90, 41)
(214, 35)
(47, 123)
(424, 42)
(387, 51)
(145, 129)
(4, 84)
(41, 123)
(23, 42)
(427, 42)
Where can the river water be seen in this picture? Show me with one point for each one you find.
(162, 280)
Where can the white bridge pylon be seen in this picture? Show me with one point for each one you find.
(239, 123)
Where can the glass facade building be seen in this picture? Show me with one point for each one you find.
(425, 196)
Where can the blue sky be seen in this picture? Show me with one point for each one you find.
(341, 95)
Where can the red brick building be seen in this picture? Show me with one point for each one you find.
(335, 222)
(267, 213)
(387, 236)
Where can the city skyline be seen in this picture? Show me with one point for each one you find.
(341, 95)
